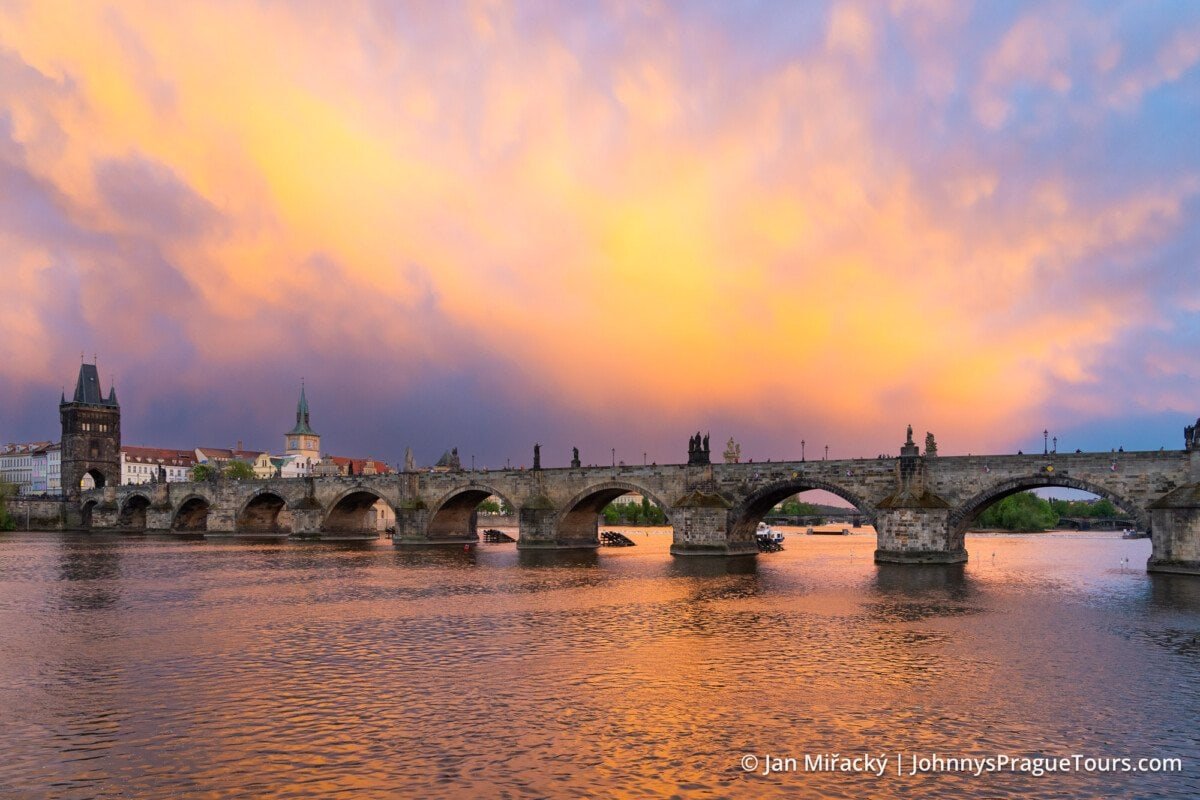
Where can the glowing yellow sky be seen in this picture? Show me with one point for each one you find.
(730, 215)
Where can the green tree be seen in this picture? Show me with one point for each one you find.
(202, 472)
(488, 507)
(1023, 511)
(632, 513)
(653, 515)
(238, 471)
(611, 514)
(7, 490)
(1104, 508)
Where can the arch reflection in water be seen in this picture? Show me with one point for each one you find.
(558, 558)
(712, 566)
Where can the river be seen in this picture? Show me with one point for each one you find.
(155, 667)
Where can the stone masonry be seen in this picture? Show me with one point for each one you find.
(921, 505)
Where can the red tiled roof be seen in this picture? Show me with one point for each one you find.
(380, 467)
(226, 453)
(158, 454)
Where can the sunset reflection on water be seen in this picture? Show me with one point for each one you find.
(148, 667)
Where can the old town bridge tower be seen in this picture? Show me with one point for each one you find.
(91, 434)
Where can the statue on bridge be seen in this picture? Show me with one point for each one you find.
(537, 456)
(1191, 436)
(575, 458)
(930, 444)
(733, 452)
(410, 463)
(698, 453)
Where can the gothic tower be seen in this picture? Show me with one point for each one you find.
(302, 440)
(91, 434)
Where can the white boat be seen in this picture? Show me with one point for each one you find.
(768, 533)
(1131, 533)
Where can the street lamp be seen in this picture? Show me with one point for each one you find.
(801, 449)
(1055, 441)
(826, 452)
(614, 456)
(472, 462)
(645, 461)
(1045, 445)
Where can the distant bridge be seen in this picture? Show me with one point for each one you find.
(921, 506)
(1096, 523)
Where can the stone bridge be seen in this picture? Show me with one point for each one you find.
(920, 505)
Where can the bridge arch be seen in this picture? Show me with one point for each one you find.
(963, 515)
(744, 517)
(91, 480)
(191, 515)
(350, 511)
(264, 511)
(579, 518)
(132, 515)
(453, 515)
(85, 513)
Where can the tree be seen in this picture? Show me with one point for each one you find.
(611, 514)
(488, 507)
(202, 472)
(238, 471)
(1023, 511)
(7, 490)
(653, 515)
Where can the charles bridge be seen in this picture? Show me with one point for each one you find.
(921, 505)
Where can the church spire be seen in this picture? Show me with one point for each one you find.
(303, 426)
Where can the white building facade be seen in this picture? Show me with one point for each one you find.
(142, 464)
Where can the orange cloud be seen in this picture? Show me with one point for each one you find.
(624, 225)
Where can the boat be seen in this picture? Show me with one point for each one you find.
(1130, 533)
(842, 532)
(769, 540)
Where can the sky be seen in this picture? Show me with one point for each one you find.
(605, 225)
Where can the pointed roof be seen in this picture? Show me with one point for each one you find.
(302, 427)
(87, 388)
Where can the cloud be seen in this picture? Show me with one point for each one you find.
(612, 223)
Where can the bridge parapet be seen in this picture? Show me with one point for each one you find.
(921, 506)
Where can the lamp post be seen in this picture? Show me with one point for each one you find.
(472, 462)
(1055, 442)
(826, 452)
(614, 456)
(1045, 444)
(645, 461)
(801, 449)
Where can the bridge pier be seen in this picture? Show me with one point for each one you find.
(222, 521)
(701, 527)
(411, 523)
(158, 518)
(105, 515)
(915, 535)
(306, 522)
(538, 524)
(1175, 532)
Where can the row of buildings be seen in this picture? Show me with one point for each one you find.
(36, 468)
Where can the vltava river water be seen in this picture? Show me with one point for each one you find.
(152, 667)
